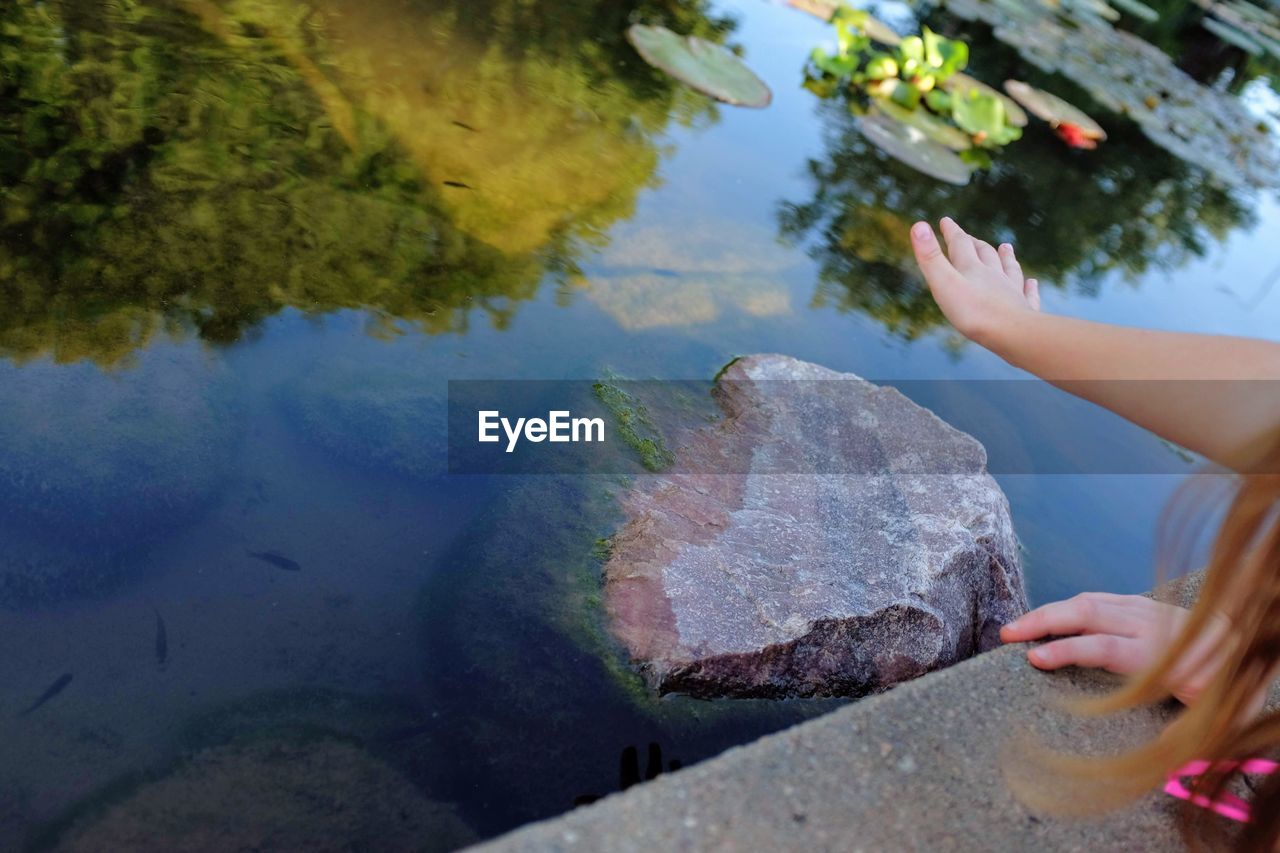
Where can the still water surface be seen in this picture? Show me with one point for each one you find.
(246, 244)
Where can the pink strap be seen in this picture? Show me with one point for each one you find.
(1227, 805)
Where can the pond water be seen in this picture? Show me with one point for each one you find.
(243, 247)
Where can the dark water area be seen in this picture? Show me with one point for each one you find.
(245, 245)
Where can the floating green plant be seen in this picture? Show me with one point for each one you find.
(908, 106)
(1207, 126)
(1139, 10)
(1251, 28)
(1071, 123)
(913, 147)
(708, 67)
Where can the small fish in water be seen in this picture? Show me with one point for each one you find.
(54, 689)
(162, 641)
(465, 126)
(277, 560)
(458, 184)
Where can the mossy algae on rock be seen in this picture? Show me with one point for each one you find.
(636, 428)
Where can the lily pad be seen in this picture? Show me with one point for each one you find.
(961, 84)
(703, 65)
(1232, 36)
(912, 147)
(1203, 125)
(929, 124)
(1137, 9)
(1248, 11)
(1053, 109)
(1092, 7)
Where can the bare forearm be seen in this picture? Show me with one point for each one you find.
(1218, 396)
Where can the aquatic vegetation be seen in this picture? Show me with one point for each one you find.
(1071, 123)
(903, 100)
(1129, 75)
(636, 428)
(1138, 9)
(1249, 27)
(911, 146)
(708, 67)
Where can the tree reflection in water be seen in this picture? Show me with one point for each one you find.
(198, 165)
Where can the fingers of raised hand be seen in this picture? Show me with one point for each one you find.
(1087, 613)
(1122, 655)
(960, 246)
(1009, 263)
(1031, 290)
(933, 263)
(987, 253)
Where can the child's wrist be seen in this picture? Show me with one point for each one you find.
(1002, 331)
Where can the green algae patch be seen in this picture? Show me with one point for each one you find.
(635, 426)
(725, 369)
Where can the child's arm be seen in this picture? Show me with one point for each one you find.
(983, 293)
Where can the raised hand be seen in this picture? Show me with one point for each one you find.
(977, 286)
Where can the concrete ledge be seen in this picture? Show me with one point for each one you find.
(917, 768)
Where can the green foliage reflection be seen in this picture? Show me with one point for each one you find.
(201, 165)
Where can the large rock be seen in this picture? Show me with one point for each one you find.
(824, 538)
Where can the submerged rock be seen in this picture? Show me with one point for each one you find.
(97, 465)
(825, 538)
(386, 419)
(326, 795)
(114, 456)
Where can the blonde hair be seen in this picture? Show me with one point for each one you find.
(1241, 589)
